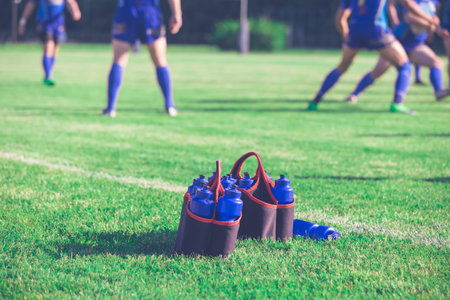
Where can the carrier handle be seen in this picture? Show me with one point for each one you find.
(216, 187)
(237, 168)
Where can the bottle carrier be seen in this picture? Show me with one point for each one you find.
(197, 235)
(262, 216)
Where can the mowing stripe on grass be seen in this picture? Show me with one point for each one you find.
(421, 235)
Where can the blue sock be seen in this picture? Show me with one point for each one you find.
(418, 72)
(165, 83)
(436, 79)
(47, 64)
(114, 82)
(327, 84)
(365, 82)
(402, 83)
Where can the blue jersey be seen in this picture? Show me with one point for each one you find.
(409, 36)
(345, 4)
(49, 10)
(368, 25)
(368, 13)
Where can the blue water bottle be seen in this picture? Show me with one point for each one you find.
(246, 182)
(202, 204)
(230, 205)
(231, 179)
(314, 231)
(282, 191)
(228, 181)
(212, 177)
(198, 183)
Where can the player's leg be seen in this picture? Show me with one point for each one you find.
(348, 55)
(418, 75)
(424, 56)
(380, 68)
(158, 53)
(48, 58)
(120, 60)
(396, 55)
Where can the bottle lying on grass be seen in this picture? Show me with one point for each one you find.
(315, 231)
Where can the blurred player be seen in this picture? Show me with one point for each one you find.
(142, 19)
(412, 34)
(369, 29)
(51, 25)
(418, 75)
(418, 68)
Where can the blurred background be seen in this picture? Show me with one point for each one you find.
(274, 24)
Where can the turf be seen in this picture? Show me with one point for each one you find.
(80, 217)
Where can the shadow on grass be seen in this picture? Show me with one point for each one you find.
(120, 243)
(438, 179)
(78, 110)
(57, 110)
(349, 110)
(249, 101)
(346, 178)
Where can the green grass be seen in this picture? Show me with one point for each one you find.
(381, 179)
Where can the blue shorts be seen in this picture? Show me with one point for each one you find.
(53, 29)
(373, 38)
(144, 22)
(411, 42)
(408, 39)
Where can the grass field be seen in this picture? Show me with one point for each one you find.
(89, 206)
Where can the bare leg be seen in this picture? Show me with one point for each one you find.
(120, 60)
(380, 68)
(158, 54)
(396, 55)
(48, 59)
(424, 56)
(121, 52)
(348, 55)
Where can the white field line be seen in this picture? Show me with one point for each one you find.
(344, 224)
(155, 184)
(415, 234)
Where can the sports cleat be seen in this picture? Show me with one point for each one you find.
(351, 99)
(109, 113)
(442, 94)
(172, 111)
(401, 108)
(312, 106)
(48, 82)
